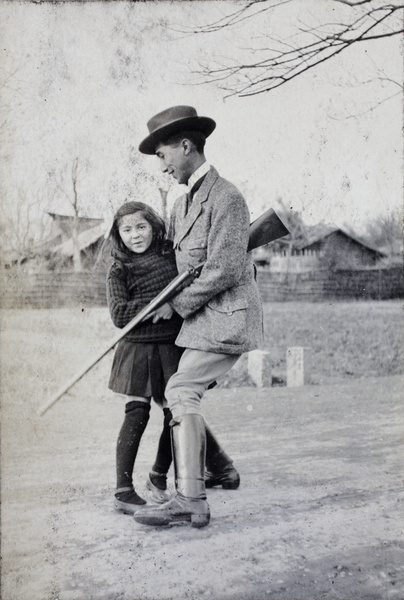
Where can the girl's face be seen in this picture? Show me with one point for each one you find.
(136, 233)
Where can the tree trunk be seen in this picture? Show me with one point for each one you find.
(75, 233)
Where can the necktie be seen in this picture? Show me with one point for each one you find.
(191, 193)
(189, 202)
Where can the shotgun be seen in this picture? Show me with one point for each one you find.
(267, 228)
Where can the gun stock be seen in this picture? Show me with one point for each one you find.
(267, 228)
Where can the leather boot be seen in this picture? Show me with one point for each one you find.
(219, 466)
(189, 505)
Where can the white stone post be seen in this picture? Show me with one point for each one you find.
(260, 368)
(297, 366)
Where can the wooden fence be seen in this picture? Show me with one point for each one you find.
(306, 261)
(48, 290)
(52, 290)
(380, 284)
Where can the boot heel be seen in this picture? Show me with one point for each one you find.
(231, 485)
(199, 520)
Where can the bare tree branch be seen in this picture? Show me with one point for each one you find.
(237, 17)
(353, 3)
(24, 224)
(285, 60)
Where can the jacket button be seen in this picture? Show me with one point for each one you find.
(230, 314)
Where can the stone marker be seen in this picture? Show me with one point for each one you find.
(297, 366)
(260, 368)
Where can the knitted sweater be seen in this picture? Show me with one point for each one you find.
(134, 280)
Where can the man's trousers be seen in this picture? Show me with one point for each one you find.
(197, 369)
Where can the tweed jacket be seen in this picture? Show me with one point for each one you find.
(222, 307)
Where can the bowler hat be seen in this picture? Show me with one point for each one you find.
(173, 120)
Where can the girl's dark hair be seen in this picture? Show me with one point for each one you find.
(156, 222)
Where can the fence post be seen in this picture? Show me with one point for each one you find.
(260, 368)
(297, 366)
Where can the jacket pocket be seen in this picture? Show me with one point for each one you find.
(228, 321)
(196, 249)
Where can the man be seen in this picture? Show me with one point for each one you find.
(221, 308)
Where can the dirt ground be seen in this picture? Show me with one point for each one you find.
(319, 514)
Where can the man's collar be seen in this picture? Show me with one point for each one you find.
(200, 172)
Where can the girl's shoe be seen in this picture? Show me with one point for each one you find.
(157, 485)
(127, 500)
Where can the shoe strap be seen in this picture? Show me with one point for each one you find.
(123, 489)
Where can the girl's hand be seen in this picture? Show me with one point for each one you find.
(164, 312)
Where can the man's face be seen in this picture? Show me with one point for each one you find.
(174, 161)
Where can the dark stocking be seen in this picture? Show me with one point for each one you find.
(136, 418)
(164, 455)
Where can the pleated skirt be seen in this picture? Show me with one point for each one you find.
(143, 369)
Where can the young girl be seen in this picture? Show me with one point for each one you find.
(146, 357)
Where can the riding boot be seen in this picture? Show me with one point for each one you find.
(189, 504)
(219, 466)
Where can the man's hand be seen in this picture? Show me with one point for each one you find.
(163, 312)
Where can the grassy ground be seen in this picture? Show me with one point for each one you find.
(347, 340)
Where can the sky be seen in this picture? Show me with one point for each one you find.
(80, 81)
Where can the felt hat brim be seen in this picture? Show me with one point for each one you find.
(203, 124)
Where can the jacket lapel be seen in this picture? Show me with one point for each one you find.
(195, 210)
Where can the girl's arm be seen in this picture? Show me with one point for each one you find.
(122, 307)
